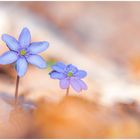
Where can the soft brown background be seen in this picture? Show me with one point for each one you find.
(102, 38)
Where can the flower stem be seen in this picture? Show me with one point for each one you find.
(67, 91)
(16, 90)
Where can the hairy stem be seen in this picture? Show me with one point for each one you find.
(67, 91)
(16, 90)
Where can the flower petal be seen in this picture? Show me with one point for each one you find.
(82, 84)
(38, 47)
(8, 57)
(21, 66)
(81, 74)
(64, 83)
(57, 75)
(25, 37)
(60, 64)
(37, 61)
(11, 42)
(71, 68)
(59, 67)
(75, 84)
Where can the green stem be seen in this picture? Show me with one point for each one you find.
(16, 90)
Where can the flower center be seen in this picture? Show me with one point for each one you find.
(22, 52)
(70, 74)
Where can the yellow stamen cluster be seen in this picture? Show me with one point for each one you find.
(70, 74)
(22, 52)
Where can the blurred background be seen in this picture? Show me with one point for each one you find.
(102, 38)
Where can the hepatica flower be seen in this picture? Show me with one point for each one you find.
(22, 51)
(69, 75)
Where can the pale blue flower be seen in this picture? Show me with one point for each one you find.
(22, 51)
(69, 75)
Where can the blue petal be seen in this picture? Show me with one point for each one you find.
(75, 85)
(21, 66)
(60, 64)
(81, 74)
(56, 75)
(25, 37)
(82, 84)
(37, 61)
(59, 67)
(64, 83)
(71, 68)
(38, 47)
(8, 57)
(11, 42)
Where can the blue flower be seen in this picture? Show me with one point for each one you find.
(22, 51)
(69, 75)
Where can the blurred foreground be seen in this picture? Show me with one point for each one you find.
(72, 117)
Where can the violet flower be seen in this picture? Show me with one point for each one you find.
(22, 52)
(69, 76)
